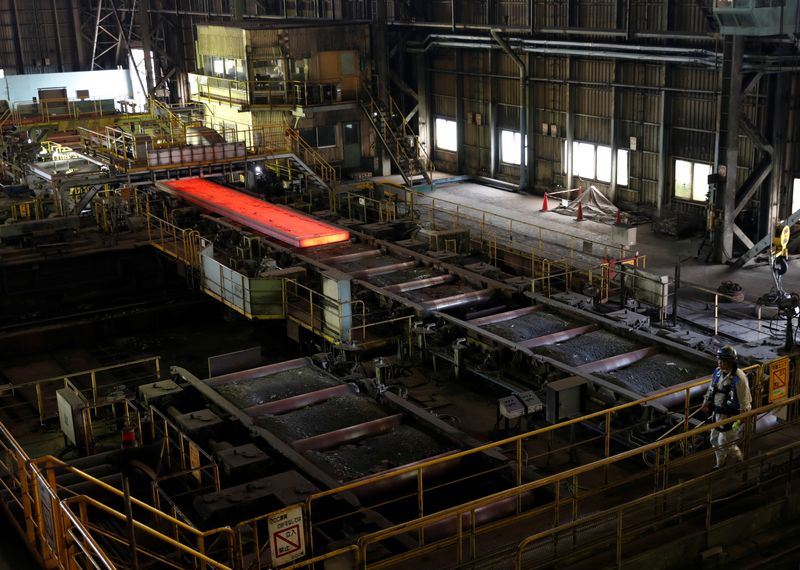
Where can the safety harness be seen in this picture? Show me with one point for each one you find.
(730, 405)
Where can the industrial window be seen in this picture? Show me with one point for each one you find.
(622, 167)
(593, 162)
(226, 68)
(510, 147)
(796, 195)
(446, 134)
(691, 180)
(603, 159)
(319, 137)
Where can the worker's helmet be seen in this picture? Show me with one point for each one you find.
(727, 353)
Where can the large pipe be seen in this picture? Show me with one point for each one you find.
(345, 257)
(420, 283)
(296, 402)
(618, 361)
(391, 484)
(677, 399)
(652, 55)
(584, 45)
(259, 372)
(484, 514)
(341, 436)
(383, 269)
(460, 300)
(559, 336)
(506, 316)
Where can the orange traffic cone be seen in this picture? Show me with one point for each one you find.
(579, 218)
(618, 221)
(544, 203)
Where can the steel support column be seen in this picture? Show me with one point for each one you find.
(523, 106)
(728, 152)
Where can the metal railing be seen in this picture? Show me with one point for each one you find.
(612, 530)
(179, 243)
(522, 448)
(87, 382)
(268, 92)
(311, 157)
(48, 111)
(585, 487)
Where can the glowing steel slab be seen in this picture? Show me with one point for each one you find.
(275, 221)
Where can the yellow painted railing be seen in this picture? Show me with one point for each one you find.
(180, 243)
(523, 448)
(88, 382)
(311, 157)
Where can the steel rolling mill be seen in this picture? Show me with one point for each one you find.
(339, 458)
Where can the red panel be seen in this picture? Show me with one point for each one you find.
(275, 221)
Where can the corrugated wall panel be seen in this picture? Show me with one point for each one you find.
(443, 84)
(221, 41)
(690, 17)
(444, 106)
(593, 70)
(647, 15)
(550, 14)
(597, 14)
(508, 91)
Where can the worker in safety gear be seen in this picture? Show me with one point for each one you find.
(728, 395)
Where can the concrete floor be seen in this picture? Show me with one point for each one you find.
(663, 254)
(740, 323)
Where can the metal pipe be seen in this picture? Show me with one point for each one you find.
(415, 284)
(390, 484)
(383, 269)
(619, 361)
(460, 300)
(559, 336)
(351, 256)
(341, 436)
(580, 45)
(259, 372)
(506, 316)
(699, 57)
(296, 402)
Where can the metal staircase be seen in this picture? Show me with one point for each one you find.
(398, 138)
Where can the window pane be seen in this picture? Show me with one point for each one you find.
(219, 67)
(351, 133)
(622, 167)
(326, 137)
(509, 147)
(309, 135)
(583, 161)
(445, 133)
(683, 179)
(796, 195)
(604, 163)
(700, 182)
(230, 68)
(348, 63)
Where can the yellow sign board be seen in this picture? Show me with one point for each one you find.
(778, 379)
(194, 461)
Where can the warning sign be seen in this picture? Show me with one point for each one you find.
(778, 379)
(286, 536)
(194, 461)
